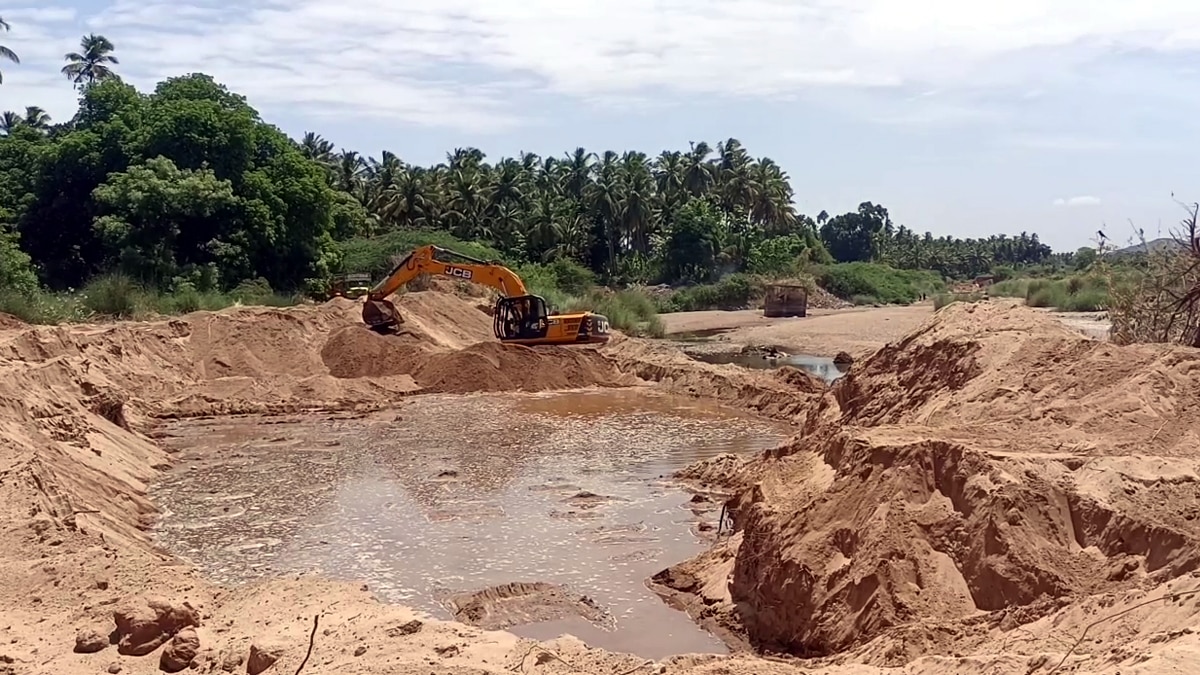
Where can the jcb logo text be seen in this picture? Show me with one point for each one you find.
(458, 272)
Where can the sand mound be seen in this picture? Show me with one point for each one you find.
(986, 369)
(991, 462)
(940, 530)
(355, 352)
(10, 322)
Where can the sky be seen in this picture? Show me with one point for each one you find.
(1060, 117)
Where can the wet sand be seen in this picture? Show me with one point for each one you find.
(825, 332)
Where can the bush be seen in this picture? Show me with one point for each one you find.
(1087, 293)
(1012, 288)
(374, 256)
(736, 291)
(942, 299)
(570, 276)
(114, 295)
(41, 307)
(881, 283)
(628, 311)
(16, 269)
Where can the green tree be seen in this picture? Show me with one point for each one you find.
(9, 121)
(856, 236)
(1084, 257)
(91, 64)
(156, 221)
(695, 243)
(37, 118)
(16, 271)
(229, 192)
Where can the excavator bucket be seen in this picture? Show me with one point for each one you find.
(381, 315)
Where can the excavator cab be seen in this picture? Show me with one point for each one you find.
(522, 317)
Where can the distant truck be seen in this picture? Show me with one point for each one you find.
(785, 300)
(351, 286)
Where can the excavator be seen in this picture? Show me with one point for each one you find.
(518, 317)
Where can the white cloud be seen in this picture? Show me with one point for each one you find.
(457, 63)
(1082, 200)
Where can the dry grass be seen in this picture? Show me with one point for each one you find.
(1162, 302)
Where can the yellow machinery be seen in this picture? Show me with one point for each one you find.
(518, 318)
(352, 286)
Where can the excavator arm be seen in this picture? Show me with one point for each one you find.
(432, 260)
(379, 312)
(519, 318)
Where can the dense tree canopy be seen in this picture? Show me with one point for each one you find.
(187, 186)
(622, 214)
(184, 184)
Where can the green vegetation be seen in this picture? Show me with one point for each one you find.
(1076, 294)
(1085, 292)
(119, 296)
(735, 291)
(175, 199)
(872, 283)
(942, 299)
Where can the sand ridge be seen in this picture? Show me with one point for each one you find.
(987, 470)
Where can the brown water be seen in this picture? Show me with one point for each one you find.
(821, 366)
(449, 494)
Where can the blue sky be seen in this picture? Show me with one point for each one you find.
(1051, 116)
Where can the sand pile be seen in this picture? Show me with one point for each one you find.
(355, 352)
(10, 322)
(992, 462)
(990, 368)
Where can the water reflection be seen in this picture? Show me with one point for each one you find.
(821, 366)
(460, 493)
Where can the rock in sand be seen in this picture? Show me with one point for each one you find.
(90, 641)
(144, 625)
(180, 652)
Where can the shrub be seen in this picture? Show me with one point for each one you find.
(1084, 293)
(628, 311)
(41, 307)
(570, 276)
(374, 256)
(736, 291)
(114, 295)
(1012, 288)
(942, 299)
(881, 283)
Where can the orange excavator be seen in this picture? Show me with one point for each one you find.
(518, 318)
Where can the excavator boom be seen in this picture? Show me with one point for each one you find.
(519, 317)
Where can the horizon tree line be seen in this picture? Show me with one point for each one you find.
(615, 212)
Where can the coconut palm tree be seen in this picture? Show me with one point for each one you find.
(10, 120)
(5, 52)
(37, 118)
(92, 63)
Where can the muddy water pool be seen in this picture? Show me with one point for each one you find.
(821, 366)
(450, 495)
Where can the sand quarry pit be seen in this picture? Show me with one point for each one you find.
(967, 499)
